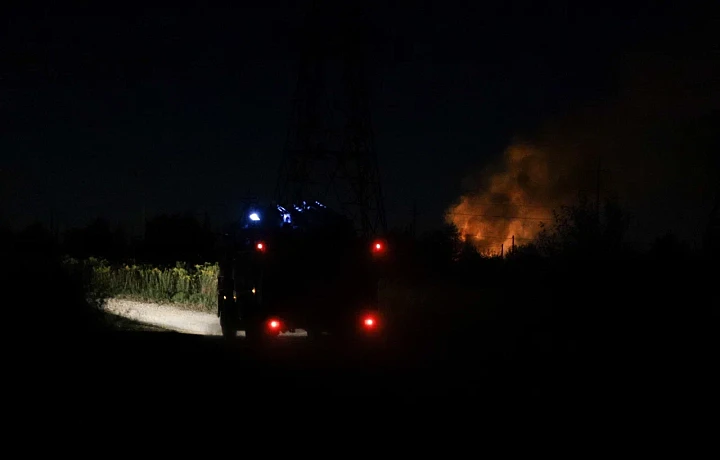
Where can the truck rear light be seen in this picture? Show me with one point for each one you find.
(378, 247)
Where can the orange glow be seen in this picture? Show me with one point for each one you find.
(512, 202)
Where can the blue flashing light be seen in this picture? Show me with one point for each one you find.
(286, 218)
(254, 217)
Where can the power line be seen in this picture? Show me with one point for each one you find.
(491, 237)
(485, 216)
(474, 203)
(396, 200)
(490, 204)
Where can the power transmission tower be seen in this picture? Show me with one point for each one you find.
(329, 152)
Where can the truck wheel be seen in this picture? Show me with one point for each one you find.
(228, 323)
(229, 331)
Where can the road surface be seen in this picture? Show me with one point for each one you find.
(173, 318)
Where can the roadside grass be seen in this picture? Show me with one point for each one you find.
(184, 286)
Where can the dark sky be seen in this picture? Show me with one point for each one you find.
(106, 112)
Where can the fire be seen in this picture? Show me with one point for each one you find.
(511, 202)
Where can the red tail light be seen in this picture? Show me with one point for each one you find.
(274, 324)
(369, 322)
(378, 247)
(260, 246)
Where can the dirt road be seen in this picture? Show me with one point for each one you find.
(172, 318)
(166, 316)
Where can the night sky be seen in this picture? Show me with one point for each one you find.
(109, 113)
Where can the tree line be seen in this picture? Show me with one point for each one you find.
(578, 232)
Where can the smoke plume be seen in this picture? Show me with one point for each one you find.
(653, 146)
(511, 202)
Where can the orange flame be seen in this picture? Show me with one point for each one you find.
(512, 202)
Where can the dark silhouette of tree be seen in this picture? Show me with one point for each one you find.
(468, 253)
(178, 237)
(35, 240)
(668, 248)
(51, 301)
(97, 239)
(711, 238)
(120, 242)
(5, 236)
(579, 231)
(440, 248)
(402, 255)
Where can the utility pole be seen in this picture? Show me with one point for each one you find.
(414, 219)
(53, 230)
(597, 194)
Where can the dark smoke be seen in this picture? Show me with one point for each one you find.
(654, 146)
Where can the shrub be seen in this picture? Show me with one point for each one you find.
(190, 286)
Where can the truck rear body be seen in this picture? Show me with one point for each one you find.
(279, 278)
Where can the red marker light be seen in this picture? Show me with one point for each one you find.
(378, 247)
(260, 247)
(274, 324)
(369, 321)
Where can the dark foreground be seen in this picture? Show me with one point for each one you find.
(170, 388)
(589, 364)
(294, 375)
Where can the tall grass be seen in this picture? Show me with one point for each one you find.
(189, 286)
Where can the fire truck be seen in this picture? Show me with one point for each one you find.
(300, 267)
